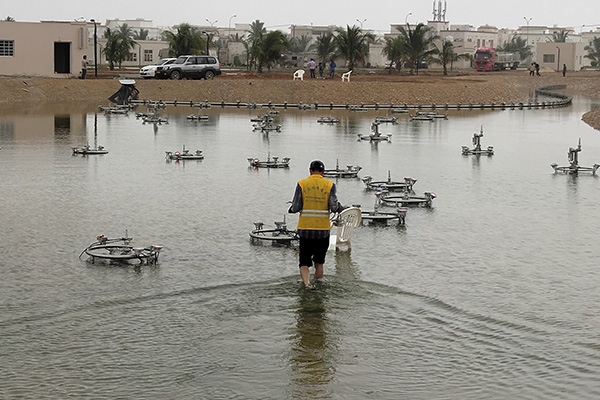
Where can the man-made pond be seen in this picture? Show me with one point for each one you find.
(491, 293)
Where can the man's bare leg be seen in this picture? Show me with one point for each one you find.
(305, 274)
(318, 271)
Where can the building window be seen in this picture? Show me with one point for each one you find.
(132, 57)
(148, 55)
(482, 42)
(491, 43)
(7, 48)
(478, 42)
(548, 58)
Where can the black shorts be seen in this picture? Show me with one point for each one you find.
(313, 250)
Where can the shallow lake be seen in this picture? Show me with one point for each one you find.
(491, 293)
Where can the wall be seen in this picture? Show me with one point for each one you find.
(571, 54)
(34, 47)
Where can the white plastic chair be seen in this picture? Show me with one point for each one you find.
(299, 74)
(346, 76)
(348, 221)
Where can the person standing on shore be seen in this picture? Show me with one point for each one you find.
(537, 69)
(564, 70)
(314, 198)
(532, 69)
(312, 66)
(321, 69)
(84, 65)
(332, 66)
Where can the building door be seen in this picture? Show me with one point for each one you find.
(62, 58)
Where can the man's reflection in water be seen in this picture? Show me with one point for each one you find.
(315, 342)
(312, 364)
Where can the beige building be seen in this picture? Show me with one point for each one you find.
(47, 48)
(55, 49)
(554, 55)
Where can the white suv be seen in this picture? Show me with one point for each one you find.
(148, 71)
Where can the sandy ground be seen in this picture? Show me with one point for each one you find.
(368, 89)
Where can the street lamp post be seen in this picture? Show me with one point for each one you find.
(527, 34)
(207, 41)
(95, 48)
(229, 26)
(406, 18)
(229, 35)
(212, 25)
(361, 22)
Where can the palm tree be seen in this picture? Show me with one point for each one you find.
(236, 38)
(271, 47)
(419, 44)
(186, 40)
(112, 49)
(559, 36)
(517, 45)
(593, 50)
(353, 44)
(255, 37)
(257, 29)
(394, 50)
(141, 35)
(446, 55)
(326, 47)
(246, 44)
(463, 56)
(126, 41)
(300, 44)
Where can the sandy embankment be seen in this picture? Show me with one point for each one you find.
(383, 89)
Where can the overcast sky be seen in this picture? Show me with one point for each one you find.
(377, 15)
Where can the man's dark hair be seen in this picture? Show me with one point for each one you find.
(317, 166)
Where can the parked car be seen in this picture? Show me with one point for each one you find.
(148, 71)
(190, 67)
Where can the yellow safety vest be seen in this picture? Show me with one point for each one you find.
(315, 208)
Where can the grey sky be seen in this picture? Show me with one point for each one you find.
(282, 14)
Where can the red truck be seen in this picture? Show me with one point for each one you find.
(488, 59)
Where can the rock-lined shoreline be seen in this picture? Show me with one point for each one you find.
(369, 89)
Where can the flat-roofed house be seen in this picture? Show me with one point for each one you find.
(47, 48)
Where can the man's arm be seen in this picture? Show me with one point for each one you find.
(297, 201)
(334, 204)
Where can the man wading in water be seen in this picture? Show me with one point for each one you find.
(315, 197)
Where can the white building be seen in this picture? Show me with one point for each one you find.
(136, 25)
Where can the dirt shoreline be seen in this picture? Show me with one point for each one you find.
(368, 89)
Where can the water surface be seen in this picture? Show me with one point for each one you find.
(491, 293)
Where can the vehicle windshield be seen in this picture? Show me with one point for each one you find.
(180, 60)
(162, 62)
(482, 56)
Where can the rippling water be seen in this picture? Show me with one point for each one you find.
(492, 293)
